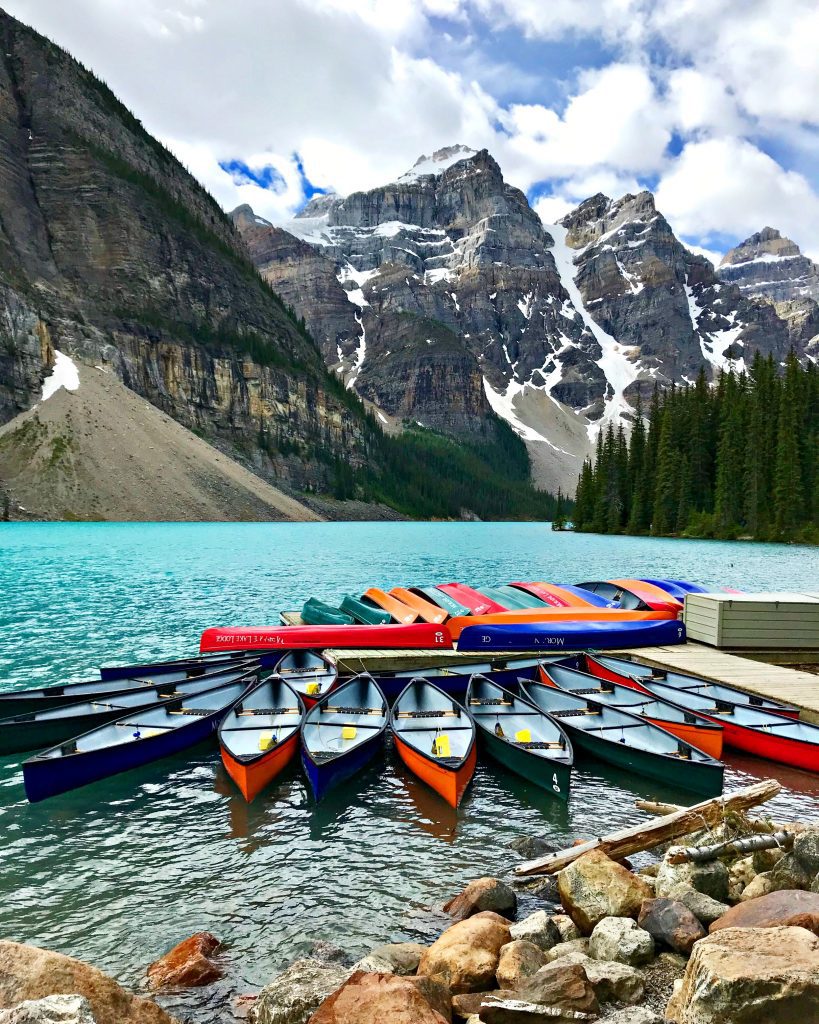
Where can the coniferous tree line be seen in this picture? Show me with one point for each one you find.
(736, 459)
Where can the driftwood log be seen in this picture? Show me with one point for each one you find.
(703, 854)
(647, 835)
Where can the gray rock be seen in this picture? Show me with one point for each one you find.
(392, 958)
(789, 873)
(671, 923)
(294, 994)
(565, 948)
(701, 906)
(760, 885)
(328, 953)
(567, 928)
(615, 982)
(710, 878)
(620, 939)
(60, 1009)
(518, 960)
(781, 273)
(538, 928)
(806, 850)
(740, 874)
(483, 894)
(634, 1015)
(530, 847)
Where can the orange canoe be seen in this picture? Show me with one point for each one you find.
(400, 612)
(428, 611)
(435, 738)
(654, 596)
(674, 719)
(547, 615)
(259, 736)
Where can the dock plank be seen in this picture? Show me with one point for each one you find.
(778, 682)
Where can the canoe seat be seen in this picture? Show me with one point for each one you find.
(324, 755)
(591, 691)
(352, 711)
(540, 745)
(267, 711)
(200, 712)
(428, 714)
(495, 701)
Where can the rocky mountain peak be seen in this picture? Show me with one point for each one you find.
(600, 215)
(767, 242)
(771, 266)
(244, 218)
(440, 160)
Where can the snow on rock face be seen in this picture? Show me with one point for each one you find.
(440, 160)
(63, 375)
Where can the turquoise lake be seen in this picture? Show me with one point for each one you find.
(118, 872)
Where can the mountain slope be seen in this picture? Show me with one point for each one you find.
(102, 452)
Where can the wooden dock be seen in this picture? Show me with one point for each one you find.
(775, 681)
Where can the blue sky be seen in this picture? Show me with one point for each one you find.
(713, 106)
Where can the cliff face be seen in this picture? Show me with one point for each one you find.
(770, 266)
(110, 250)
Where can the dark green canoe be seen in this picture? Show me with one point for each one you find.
(520, 736)
(363, 611)
(318, 613)
(627, 741)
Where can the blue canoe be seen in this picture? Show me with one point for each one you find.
(139, 738)
(571, 636)
(677, 588)
(342, 733)
(588, 595)
(199, 664)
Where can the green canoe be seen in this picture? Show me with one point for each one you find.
(363, 611)
(318, 613)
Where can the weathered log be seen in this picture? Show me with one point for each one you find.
(701, 854)
(655, 807)
(648, 835)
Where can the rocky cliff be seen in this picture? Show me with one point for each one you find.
(768, 265)
(111, 251)
(441, 295)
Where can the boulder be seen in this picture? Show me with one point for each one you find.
(750, 976)
(393, 958)
(613, 982)
(671, 923)
(517, 1011)
(295, 993)
(483, 894)
(786, 907)
(538, 928)
(50, 1010)
(530, 847)
(519, 959)
(594, 887)
(328, 953)
(764, 860)
(375, 998)
(28, 973)
(701, 906)
(565, 986)
(566, 926)
(620, 939)
(566, 949)
(710, 878)
(469, 1003)
(806, 850)
(740, 874)
(188, 965)
(788, 873)
(437, 993)
(760, 885)
(467, 953)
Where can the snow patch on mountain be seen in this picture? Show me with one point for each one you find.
(64, 375)
(503, 405)
(440, 160)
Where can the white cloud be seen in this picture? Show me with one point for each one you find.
(731, 186)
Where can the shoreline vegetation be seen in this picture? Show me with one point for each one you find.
(739, 461)
(717, 896)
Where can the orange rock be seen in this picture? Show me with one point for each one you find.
(188, 965)
(787, 907)
(467, 953)
(375, 999)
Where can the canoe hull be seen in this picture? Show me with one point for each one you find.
(253, 777)
(448, 783)
(709, 741)
(569, 635)
(327, 775)
(18, 737)
(552, 776)
(284, 638)
(47, 778)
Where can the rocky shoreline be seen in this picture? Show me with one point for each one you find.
(731, 939)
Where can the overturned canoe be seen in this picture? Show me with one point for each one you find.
(628, 741)
(475, 601)
(427, 611)
(568, 635)
(364, 611)
(309, 673)
(680, 722)
(259, 736)
(25, 702)
(399, 611)
(618, 670)
(440, 598)
(521, 737)
(46, 728)
(130, 742)
(634, 595)
(320, 613)
(435, 738)
(342, 733)
(283, 638)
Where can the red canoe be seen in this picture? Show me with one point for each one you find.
(474, 600)
(270, 638)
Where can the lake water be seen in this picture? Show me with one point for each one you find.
(118, 872)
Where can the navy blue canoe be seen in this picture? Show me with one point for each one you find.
(39, 729)
(200, 664)
(571, 636)
(141, 737)
(342, 733)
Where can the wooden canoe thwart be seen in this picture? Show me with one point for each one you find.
(435, 738)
